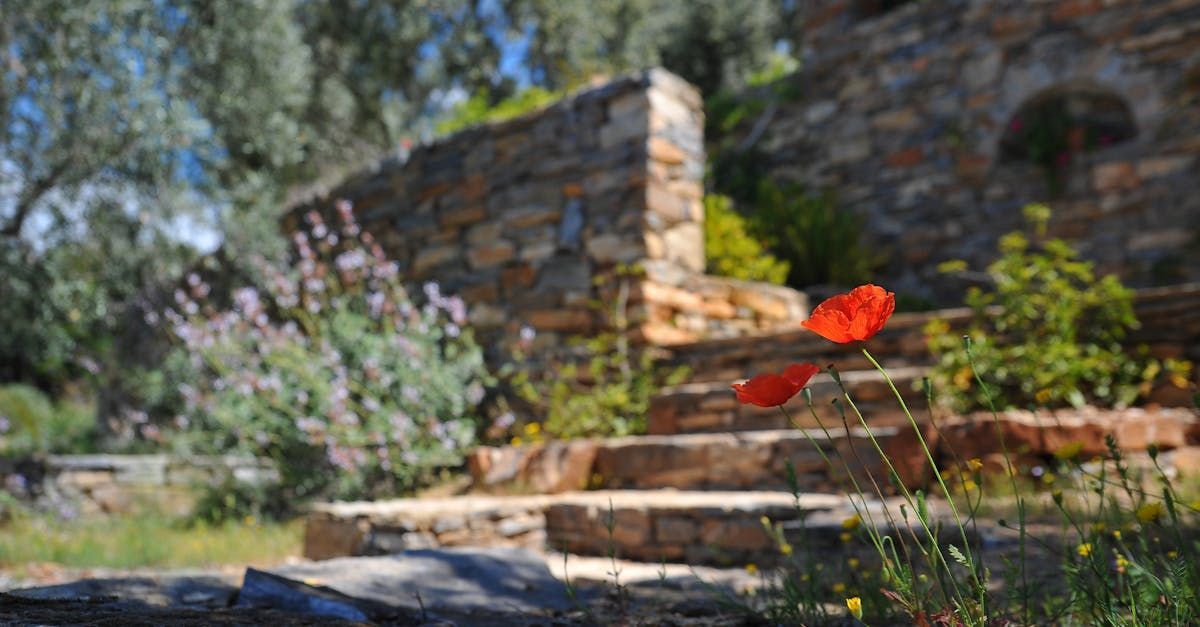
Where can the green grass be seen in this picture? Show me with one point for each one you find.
(144, 541)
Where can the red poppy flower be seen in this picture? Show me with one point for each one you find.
(858, 315)
(771, 390)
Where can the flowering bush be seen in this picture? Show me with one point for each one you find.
(1048, 333)
(332, 371)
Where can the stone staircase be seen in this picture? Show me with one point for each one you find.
(697, 487)
(1170, 328)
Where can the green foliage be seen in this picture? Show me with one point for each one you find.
(711, 43)
(777, 66)
(333, 373)
(604, 391)
(729, 249)
(821, 243)
(479, 109)
(1048, 333)
(30, 423)
(233, 501)
(601, 387)
(125, 124)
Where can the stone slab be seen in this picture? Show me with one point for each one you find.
(455, 579)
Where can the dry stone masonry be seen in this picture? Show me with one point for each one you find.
(903, 115)
(526, 219)
(126, 484)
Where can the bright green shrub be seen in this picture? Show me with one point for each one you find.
(31, 423)
(1048, 333)
(478, 110)
(730, 250)
(332, 372)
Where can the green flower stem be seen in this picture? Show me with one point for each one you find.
(1022, 532)
(933, 541)
(872, 531)
(942, 482)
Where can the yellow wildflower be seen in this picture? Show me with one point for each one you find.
(1069, 451)
(516, 441)
(1048, 478)
(970, 486)
(1084, 549)
(846, 537)
(1116, 534)
(1172, 554)
(839, 588)
(752, 569)
(1122, 563)
(853, 563)
(962, 379)
(852, 523)
(1149, 512)
(1043, 395)
(785, 548)
(854, 604)
(533, 429)
(975, 464)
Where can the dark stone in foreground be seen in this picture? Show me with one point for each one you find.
(464, 587)
(196, 592)
(465, 580)
(23, 610)
(262, 590)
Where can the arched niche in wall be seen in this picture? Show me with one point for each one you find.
(1056, 126)
(866, 9)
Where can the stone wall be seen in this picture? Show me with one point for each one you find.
(124, 484)
(526, 219)
(902, 114)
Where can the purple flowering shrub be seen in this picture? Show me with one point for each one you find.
(353, 389)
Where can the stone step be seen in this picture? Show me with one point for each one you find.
(699, 461)
(712, 406)
(900, 344)
(715, 528)
(1169, 317)
(749, 460)
(719, 528)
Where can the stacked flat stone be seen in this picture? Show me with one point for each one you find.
(902, 114)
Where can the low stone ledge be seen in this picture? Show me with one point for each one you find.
(1035, 436)
(122, 484)
(383, 527)
(701, 461)
(703, 527)
(721, 528)
(683, 307)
